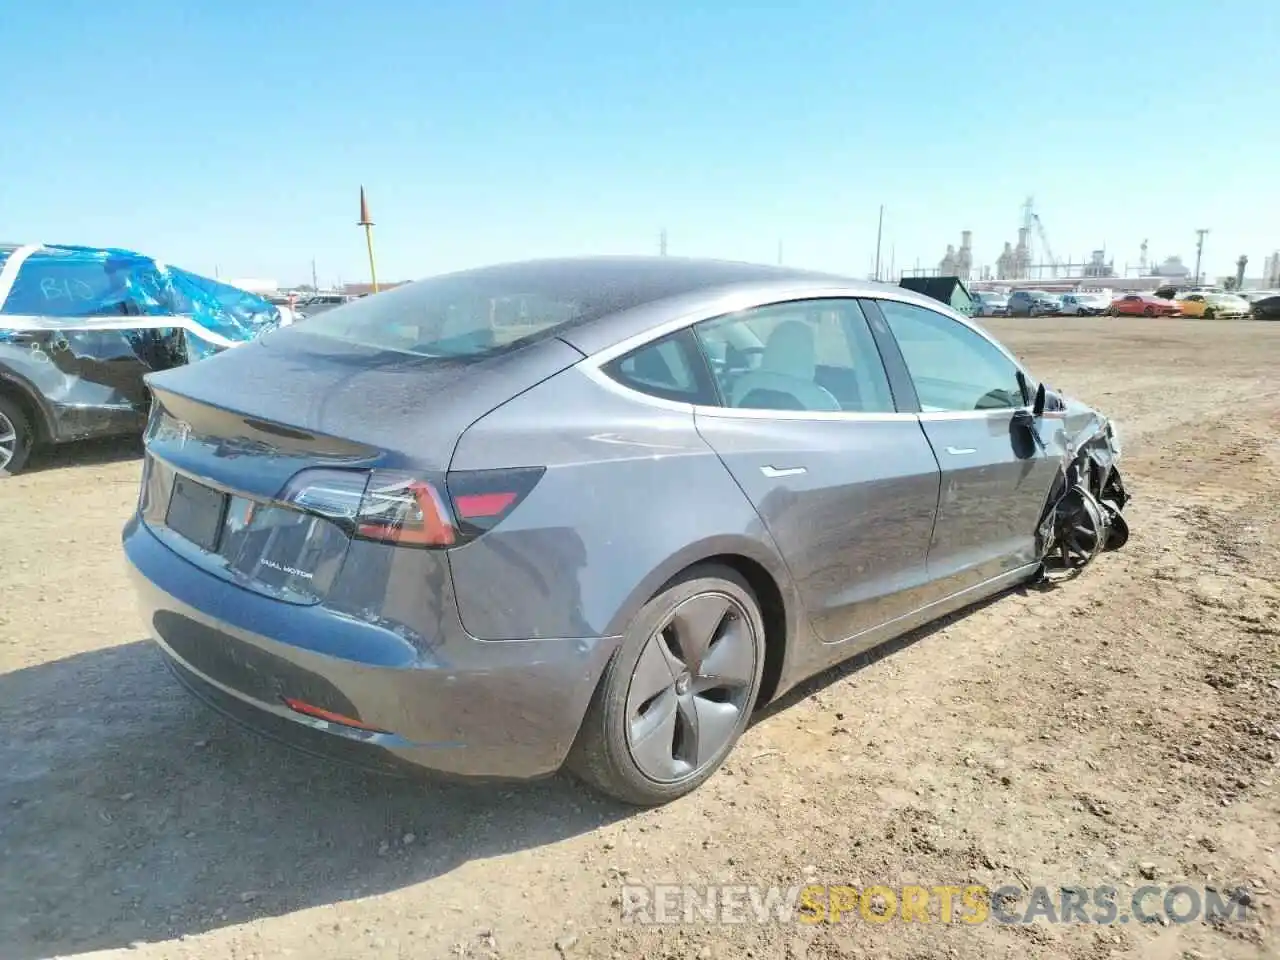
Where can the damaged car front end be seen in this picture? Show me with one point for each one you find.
(1084, 514)
(79, 329)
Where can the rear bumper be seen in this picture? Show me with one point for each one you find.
(507, 709)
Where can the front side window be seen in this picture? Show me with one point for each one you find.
(952, 367)
(809, 355)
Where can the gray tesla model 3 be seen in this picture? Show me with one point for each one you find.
(592, 512)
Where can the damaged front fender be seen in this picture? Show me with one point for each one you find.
(1084, 513)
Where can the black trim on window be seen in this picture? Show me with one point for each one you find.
(702, 369)
(900, 385)
(704, 393)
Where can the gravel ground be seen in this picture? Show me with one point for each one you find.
(1121, 727)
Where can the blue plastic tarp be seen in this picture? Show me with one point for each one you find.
(62, 287)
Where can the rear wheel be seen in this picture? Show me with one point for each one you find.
(1209, 314)
(677, 695)
(16, 437)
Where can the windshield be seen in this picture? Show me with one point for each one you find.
(446, 317)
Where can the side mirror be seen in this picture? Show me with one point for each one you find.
(1048, 404)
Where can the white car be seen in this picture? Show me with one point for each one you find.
(990, 304)
(1084, 304)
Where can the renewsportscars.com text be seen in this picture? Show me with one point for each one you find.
(969, 904)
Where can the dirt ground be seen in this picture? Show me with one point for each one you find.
(1121, 727)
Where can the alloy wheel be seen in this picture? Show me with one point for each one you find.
(690, 687)
(8, 440)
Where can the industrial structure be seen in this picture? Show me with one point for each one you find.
(1271, 271)
(958, 263)
(1030, 258)
(1029, 262)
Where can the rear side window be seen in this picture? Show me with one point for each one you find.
(669, 368)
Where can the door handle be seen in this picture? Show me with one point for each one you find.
(770, 471)
(961, 451)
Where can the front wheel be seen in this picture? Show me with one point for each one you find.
(1209, 314)
(678, 693)
(1149, 312)
(16, 438)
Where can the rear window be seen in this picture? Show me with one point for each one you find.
(447, 317)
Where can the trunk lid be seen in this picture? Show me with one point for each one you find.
(252, 416)
(227, 434)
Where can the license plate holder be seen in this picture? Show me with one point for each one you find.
(196, 512)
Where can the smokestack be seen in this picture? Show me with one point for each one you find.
(1240, 265)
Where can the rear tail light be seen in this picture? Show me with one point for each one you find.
(483, 498)
(403, 509)
(412, 510)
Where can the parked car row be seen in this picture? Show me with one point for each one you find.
(1038, 303)
(1205, 303)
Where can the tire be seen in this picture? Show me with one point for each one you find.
(1209, 314)
(14, 450)
(604, 755)
(1148, 311)
(1082, 312)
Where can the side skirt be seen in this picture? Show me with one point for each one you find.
(867, 639)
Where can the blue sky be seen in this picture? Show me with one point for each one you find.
(235, 135)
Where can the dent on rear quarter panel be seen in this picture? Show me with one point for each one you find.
(631, 495)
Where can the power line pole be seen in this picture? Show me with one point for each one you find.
(315, 284)
(1199, 250)
(879, 233)
(662, 243)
